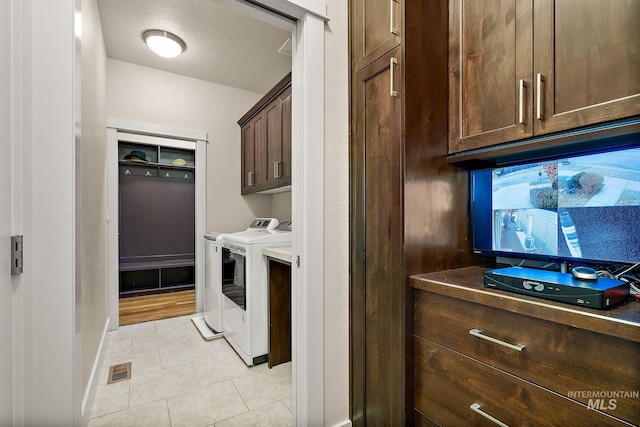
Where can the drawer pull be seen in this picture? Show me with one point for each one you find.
(475, 407)
(393, 61)
(392, 18)
(478, 333)
(521, 102)
(539, 103)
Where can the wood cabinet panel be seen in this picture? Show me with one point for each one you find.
(559, 357)
(448, 384)
(248, 144)
(421, 420)
(266, 141)
(407, 203)
(273, 140)
(279, 313)
(376, 29)
(521, 69)
(490, 66)
(587, 53)
(285, 158)
(378, 300)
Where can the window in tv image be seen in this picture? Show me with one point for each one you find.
(605, 179)
(608, 233)
(526, 231)
(528, 186)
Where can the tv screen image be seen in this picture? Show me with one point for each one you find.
(579, 208)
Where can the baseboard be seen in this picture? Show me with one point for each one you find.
(90, 391)
(346, 423)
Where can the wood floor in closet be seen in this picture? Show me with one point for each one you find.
(155, 307)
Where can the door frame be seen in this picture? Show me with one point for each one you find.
(307, 194)
(150, 133)
(307, 201)
(307, 198)
(45, 55)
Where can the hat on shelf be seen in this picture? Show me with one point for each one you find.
(179, 162)
(136, 156)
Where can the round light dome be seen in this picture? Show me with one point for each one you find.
(164, 43)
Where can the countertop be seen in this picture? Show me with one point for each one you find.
(282, 253)
(467, 283)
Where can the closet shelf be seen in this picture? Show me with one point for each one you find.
(155, 165)
(150, 265)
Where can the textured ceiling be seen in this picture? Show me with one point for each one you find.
(224, 45)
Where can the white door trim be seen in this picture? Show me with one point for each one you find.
(307, 201)
(200, 138)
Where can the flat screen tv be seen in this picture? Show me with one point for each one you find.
(582, 209)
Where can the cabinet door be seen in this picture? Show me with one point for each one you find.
(248, 156)
(378, 286)
(490, 72)
(285, 162)
(586, 63)
(273, 141)
(376, 29)
(279, 313)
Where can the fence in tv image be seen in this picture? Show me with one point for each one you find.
(580, 207)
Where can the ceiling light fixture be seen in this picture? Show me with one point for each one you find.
(164, 43)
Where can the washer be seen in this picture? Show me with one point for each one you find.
(209, 322)
(245, 290)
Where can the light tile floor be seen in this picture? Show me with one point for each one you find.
(179, 379)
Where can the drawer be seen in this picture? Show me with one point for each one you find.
(572, 362)
(447, 385)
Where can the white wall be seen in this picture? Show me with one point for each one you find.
(281, 206)
(142, 94)
(336, 199)
(91, 199)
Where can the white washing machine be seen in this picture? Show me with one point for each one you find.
(245, 290)
(209, 322)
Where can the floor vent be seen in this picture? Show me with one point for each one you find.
(119, 372)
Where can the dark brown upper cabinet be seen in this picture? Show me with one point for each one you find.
(377, 29)
(520, 69)
(266, 141)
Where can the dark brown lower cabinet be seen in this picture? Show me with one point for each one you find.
(486, 356)
(279, 313)
(463, 391)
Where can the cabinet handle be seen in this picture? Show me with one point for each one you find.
(521, 103)
(475, 407)
(276, 169)
(392, 17)
(250, 179)
(478, 333)
(392, 92)
(539, 99)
